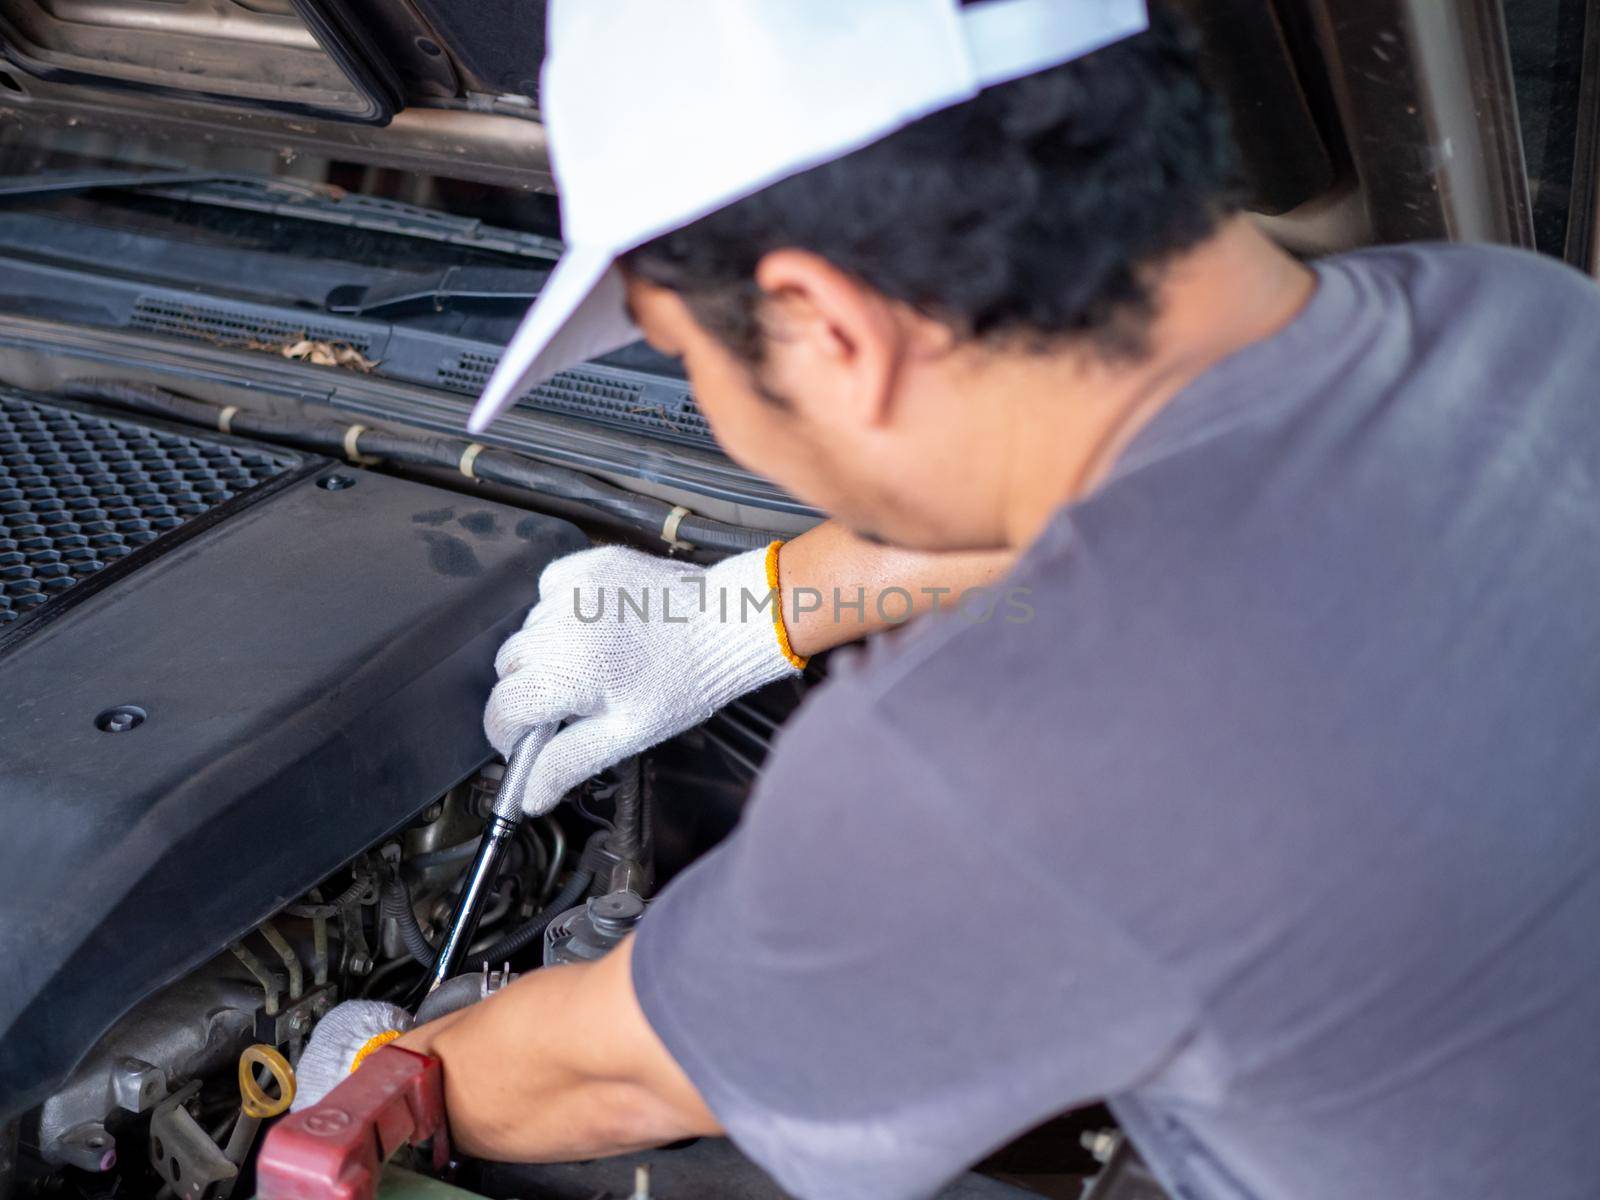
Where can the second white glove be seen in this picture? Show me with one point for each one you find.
(631, 649)
(341, 1042)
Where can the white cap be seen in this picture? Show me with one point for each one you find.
(662, 111)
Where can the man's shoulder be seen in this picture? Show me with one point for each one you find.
(1476, 340)
(1458, 271)
(966, 653)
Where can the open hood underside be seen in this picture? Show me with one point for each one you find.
(439, 86)
(289, 55)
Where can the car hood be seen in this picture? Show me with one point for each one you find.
(434, 85)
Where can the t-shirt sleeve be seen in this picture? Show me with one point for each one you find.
(870, 992)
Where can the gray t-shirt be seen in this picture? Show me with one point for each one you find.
(1277, 825)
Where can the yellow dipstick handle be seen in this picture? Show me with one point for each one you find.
(253, 1098)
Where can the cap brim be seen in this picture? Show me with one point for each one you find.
(580, 313)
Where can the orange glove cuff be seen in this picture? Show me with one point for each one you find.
(778, 625)
(372, 1044)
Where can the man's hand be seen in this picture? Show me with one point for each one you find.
(561, 1065)
(631, 649)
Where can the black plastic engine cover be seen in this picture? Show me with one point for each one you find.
(311, 663)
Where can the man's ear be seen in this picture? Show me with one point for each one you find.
(839, 331)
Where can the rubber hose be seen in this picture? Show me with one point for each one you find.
(516, 470)
(520, 938)
(397, 904)
(644, 513)
(454, 993)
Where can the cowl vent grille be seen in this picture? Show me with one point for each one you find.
(645, 408)
(78, 491)
(231, 327)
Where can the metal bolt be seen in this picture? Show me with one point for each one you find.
(360, 964)
(120, 719)
(434, 812)
(299, 1021)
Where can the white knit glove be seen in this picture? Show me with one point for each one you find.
(340, 1043)
(626, 681)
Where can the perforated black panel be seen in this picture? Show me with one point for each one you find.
(79, 491)
(664, 410)
(234, 324)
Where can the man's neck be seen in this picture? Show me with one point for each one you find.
(1070, 416)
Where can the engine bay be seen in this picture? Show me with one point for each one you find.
(253, 680)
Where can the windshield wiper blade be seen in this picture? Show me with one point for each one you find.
(455, 287)
(306, 201)
(87, 181)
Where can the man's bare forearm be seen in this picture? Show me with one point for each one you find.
(561, 1065)
(838, 587)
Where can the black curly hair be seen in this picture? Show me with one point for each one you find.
(1041, 209)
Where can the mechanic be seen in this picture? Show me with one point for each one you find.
(1267, 817)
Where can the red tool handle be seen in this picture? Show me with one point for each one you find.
(336, 1149)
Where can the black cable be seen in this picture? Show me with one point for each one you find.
(627, 824)
(330, 908)
(523, 936)
(607, 502)
(539, 856)
(594, 818)
(370, 987)
(438, 858)
(396, 900)
(397, 904)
